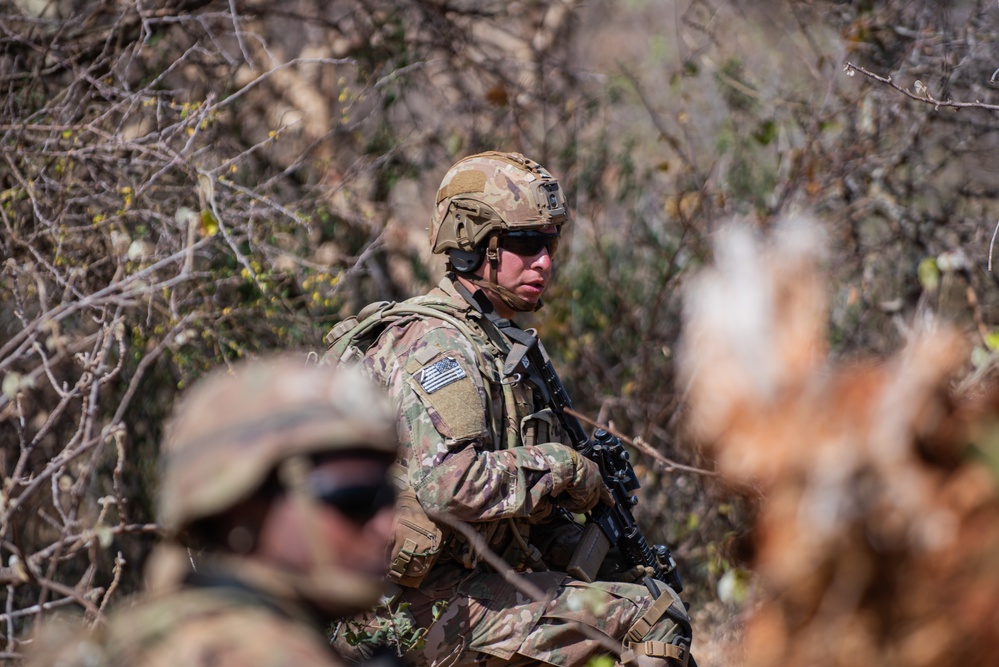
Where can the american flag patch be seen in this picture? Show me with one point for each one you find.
(440, 374)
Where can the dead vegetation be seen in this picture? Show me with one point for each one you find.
(186, 182)
(876, 533)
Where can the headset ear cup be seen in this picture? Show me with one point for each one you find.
(466, 261)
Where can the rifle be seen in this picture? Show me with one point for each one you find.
(605, 525)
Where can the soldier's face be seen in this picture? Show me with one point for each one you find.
(526, 275)
(348, 522)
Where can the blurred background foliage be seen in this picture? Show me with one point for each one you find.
(187, 182)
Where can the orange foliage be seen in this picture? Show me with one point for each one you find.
(877, 535)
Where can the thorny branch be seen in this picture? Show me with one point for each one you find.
(922, 95)
(665, 464)
(184, 185)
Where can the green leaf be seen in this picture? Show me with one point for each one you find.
(105, 536)
(14, 382)
(733, 587)
(438, 609)
(929, 274)
(209, 225)
(600, 661)
(765, 133)
(980, 356)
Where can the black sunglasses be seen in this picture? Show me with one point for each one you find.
(359, 503)
(530, 243)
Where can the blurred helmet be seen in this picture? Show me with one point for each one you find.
(490, 193)
(234, 427)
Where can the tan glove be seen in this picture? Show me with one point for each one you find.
(587, 487)
(614, 568)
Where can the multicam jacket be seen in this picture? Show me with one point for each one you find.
(475, 446)
(214, 621)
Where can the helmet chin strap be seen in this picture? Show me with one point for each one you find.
(511, 300)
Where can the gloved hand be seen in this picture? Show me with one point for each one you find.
(587, 487)
(631, 576)
(614, 568)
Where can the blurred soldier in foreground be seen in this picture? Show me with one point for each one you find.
(274, 476)
(481, 445)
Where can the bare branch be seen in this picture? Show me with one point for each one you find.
(922, 95)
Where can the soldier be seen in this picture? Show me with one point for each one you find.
(477, 447)
(274, 477)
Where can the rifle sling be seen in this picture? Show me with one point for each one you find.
(523, 341)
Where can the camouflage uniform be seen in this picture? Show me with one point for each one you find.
(216, 620)
(475, 447)
(234, 435)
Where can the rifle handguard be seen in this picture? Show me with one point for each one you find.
(589, 554)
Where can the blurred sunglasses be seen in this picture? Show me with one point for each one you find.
(358, 503)
(530, 243)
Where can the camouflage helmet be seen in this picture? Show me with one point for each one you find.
(494, 192)
(234, 427)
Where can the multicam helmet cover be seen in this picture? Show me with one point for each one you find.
(494, 192)
(234, 427)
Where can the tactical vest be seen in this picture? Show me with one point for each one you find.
(131, 634)
(419, 541)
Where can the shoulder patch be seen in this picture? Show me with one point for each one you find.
(450, 395)
(439, 374)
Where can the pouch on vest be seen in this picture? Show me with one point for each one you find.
(539, 427)
(418, 542)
